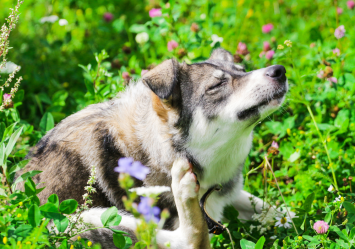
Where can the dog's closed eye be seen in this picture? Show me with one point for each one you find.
(220, 83)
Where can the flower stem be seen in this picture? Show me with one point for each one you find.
(325, 146)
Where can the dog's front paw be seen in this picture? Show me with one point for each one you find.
(184, 182)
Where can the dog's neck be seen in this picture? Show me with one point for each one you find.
(219, 149)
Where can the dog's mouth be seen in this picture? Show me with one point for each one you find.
(254, 110)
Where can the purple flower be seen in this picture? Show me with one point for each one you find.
(339, 11)
(149, 212)
(350, 4)
(144, 71)
(321, 227)
(135, 169)
(336, 51)
(125, 75)
(154, 12)
(339, 32)
(108, 17)
(172, 45)
(242, 48)
(267, 28)
(266, 46)
(275, 145)
(269, 54)
(320, 75)
(333, 80)
(6, 96)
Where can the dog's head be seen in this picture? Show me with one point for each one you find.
(218, 90)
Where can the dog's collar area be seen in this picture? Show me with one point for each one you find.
(213, 226)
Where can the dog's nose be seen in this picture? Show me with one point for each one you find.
(277, 73)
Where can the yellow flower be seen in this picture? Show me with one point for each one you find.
(19, 215)
(250, 13)
(342, 199)
(297, 150)
(302, 132)
(18, 243)
(79, 238)
(329, 139)
(4, 240)
(288, 43)
(20, 203)
(314, 201)
(299, 237)
(288, 131)
(89, 243)
(72, 247)
(280, 47)
(28, 243)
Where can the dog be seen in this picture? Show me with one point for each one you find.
(190, 124)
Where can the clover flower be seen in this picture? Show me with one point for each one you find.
(108, 17)
(339, 32)
(321, 227)
(269, 54)
(332, 80)
(242, 48)
(350, 4)
(125, 75)
(149, 212)
(153, 190)
(155, 13)
(135, 169)
(267, 28)
(144, 71)
(283, 222)
(215, 38)
(266, 46)
(339, 11)
(142, 38)
(336, 51)
(172, 45)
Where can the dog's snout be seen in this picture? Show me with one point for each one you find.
(277, 72)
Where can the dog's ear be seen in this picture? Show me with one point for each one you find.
(162, 79)
(222, 55)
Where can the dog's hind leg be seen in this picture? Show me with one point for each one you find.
(192, 232)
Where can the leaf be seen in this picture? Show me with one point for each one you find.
(328, 217)
(23, 230)
(111, 217)
(2, 130)
(342, 120)
(247, 244)
(17, 197)
(8, 131)
(12, 141)
(310, 238)
(90, 87)
(47, 122)
(119, 240)
(118, 231)
(49, 207)
(24, 177)
(337, 230)
(34, 215)
(307, 206)
(294, 156)
(30, 187)
(68, 206)
(18, 166)
(260, 243)
(128, 243)
(230, 213)
(2, 193)
(349, 207)
(54, 199)
(60, 221)
(64, 245)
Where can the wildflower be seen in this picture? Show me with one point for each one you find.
(142, 38)
(250, 13)
(215, 38)
(63, 22)
(203, 16)
(288, 130)
(20, 203)
(4, 240)
(89, 243)
(154, 12)
(154, 190)
(336, 51)
(242, 48)
(9, 67)
(274, 149)
(28, 243)
(321, 227)
(339, 11)
(135, 169)
(144, 71)
(19, 215)
(18, 242)
(283, 222)
(280, 47)
(288, 43)
(339, 32)
(79, 238)
(273, 237)
(312, 45)
(266, 219)
(108, 17)
(266, 46)
(149, 212)
(194, 27)
(172, 45)
(332, 80)
(269, 54)
(72, 247)
(125, 75)
(50, 19)
(339, 199)
(299, 237)
(320, 75)
(350, 4)
(267, 28)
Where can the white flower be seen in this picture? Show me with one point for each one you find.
(63, 22)
(273, 237)
(283, 222)
(50, 19)
(154, 190)
(203, 16)
(215, 38)
(142, 38)
(9, 68)
(331, 188)
(339, 198)
(266, 219)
